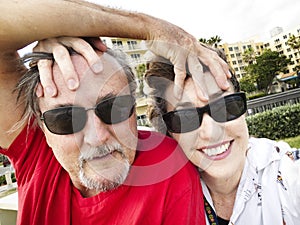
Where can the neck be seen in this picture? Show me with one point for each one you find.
(223, 192)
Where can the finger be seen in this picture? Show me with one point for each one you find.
(179, 82)
(196, 70)
(39, 91)
(179, 61)
(221, 75)
(45, 71)
(86, 50)
(65, 64)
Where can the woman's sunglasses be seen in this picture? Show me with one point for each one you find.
(72, 119)
(224, 109)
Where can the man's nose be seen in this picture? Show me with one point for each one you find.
(95, 131)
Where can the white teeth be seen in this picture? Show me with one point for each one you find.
(216, 151)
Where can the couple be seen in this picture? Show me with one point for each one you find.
(136, 177)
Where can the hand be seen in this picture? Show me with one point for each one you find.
(57, 46)
(183, 49)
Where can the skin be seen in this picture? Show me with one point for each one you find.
(77, 153)
(24, 22)
(221, 172)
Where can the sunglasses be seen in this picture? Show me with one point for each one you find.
(72, 119)
(222, 110)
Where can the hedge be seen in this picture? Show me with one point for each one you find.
(278, 123)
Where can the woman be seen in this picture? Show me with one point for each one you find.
(245, 180)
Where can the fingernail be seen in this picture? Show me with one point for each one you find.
(97, 67)
(39, 91)
(49, 91)
(72, 84)
(229, 74)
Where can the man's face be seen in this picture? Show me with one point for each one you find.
(219, 149)
(98, 156)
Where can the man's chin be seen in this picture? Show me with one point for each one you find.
(105, 179)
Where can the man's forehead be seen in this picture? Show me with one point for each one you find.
(111, 80)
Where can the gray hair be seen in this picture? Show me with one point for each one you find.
(28, 83)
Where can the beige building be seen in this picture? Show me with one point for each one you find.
(135, 49)
(278, 42)
(234, 54)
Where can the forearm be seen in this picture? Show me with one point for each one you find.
(25, 21)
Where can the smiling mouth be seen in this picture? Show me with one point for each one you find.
(214, 151)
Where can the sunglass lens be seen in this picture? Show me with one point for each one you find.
(115, 110)
(228, 108)
(182, 121)
(65, 120)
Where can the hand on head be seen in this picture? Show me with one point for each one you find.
(58, 46)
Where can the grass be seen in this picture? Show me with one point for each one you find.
(294, 142)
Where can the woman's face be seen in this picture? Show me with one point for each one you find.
(218, 149)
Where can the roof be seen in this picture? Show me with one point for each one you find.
(287, 76)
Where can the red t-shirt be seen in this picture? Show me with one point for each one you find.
(162, 187)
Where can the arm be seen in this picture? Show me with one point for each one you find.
(25, 21)
(79, 18)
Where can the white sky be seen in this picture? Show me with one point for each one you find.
(232, 20)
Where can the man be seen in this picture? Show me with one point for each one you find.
(23, 22)
(86, 163)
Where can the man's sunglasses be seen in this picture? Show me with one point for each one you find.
(72, 119)
(224, 109)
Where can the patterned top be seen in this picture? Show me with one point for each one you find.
(269, 190)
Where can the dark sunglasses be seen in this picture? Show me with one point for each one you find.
(72, 119)
(224, 109)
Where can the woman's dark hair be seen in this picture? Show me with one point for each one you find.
(159, 75)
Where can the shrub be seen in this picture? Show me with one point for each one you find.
(278, 123)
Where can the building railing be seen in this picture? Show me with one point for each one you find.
(271, 101)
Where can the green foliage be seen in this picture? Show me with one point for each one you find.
(281, 122)
(256, 95)
(140, 72)
(212, 41)
(267, 66)
(294, 142)
(247, 84)
(294, 42)
(249, 55)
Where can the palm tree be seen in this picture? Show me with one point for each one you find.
(214, 41)
(203, 40)
(249, 56)
(294, 42)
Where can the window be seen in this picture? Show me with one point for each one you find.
(117, 43)
(230, 49)
(132, 44)
(284, 36)
(232, 56)
(136, 57)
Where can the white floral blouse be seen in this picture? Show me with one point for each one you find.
(269, 190)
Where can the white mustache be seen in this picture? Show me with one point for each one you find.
(99, 151)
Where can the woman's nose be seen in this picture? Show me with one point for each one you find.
(210, 129)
